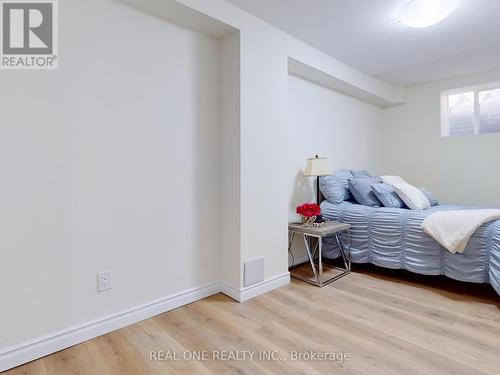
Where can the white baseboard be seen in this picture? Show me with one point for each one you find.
(264, 286)
(254, 290)
(230, 291)
(31, 350)
(42, 346)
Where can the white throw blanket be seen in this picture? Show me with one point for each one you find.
(453, 229)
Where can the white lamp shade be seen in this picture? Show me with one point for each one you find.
(317, 167)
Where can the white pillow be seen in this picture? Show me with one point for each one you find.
(412, 196)
(391, 180)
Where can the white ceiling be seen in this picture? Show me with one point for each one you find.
(365, 34)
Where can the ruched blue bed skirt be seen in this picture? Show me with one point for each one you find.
(393, 238)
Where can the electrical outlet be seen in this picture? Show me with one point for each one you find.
(103, 281)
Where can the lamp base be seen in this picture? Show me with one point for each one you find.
(318, 192)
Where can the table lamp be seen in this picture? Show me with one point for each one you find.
(316, 167)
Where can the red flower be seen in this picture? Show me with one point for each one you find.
(309, 210)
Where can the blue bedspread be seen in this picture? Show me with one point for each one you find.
(392, 238)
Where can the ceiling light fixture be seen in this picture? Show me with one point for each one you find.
(425, 13)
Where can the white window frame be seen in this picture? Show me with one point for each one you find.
(445, 126)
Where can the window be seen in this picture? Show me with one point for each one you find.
(471, 110)
(489, 111)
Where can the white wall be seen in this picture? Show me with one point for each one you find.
(110, 162)
(265, 186)
(320, 121)
(263, 136)
(459, 169)
(230, 210)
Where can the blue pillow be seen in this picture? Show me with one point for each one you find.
(361, 174)
(430, 197)
(336, 188)
(387, 195)
(361, 189)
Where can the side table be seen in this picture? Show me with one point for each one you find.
(331, 228)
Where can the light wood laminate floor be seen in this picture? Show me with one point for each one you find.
(390, 322)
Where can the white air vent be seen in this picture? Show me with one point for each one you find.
(254, 271)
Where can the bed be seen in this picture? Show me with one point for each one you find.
(393, 238)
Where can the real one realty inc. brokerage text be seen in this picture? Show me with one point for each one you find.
(247, 355)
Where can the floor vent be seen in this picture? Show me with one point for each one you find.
(254, 271)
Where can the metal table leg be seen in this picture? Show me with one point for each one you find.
(311, 260)
(320, 245)
(291, 236)
(346, 255)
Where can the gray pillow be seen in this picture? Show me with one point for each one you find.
(336, 188)
(432, 199)
(361, 189)
(387, 195)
